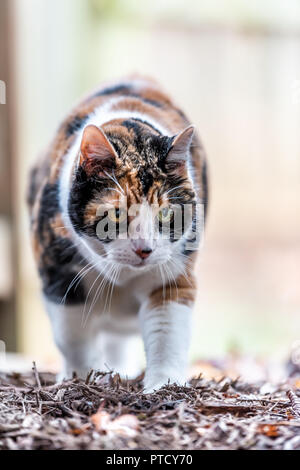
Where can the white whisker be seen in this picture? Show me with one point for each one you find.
(163, 281)
(173, 189)
(84, 320)
(114, 280)
(113, 189)
(114, 179)
(76, 277)
(182, 271)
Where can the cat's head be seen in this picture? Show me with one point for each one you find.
(132, 197)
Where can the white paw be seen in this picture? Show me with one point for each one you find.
(60, 377)
(67, 374)
(152, 384)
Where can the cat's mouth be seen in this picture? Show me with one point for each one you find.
(142, 264)
(137, 264)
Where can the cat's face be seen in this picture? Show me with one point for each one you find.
(132, 198)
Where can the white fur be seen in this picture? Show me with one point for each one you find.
(166, 335)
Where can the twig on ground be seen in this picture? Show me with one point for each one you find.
(295, 401)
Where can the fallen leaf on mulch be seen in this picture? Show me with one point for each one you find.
(270, 430)
(126, 425)
(78, 431)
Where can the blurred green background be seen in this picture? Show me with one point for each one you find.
(234, 67)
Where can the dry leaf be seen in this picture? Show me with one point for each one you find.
(125, 425)
(270, 430)
(79, 431)
(202, 431)
(206, 370)
(297, 383)
(100, 420)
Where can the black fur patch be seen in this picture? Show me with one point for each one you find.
(49, 208)
(56, 264)
(129, 123)
(146, 179)
(205, 188)
(155, 103)
(127, 90)
(32, 190)
(114, 89)
(83, 191)
(57, 272)
(76, 124)
(161, 146)
(192, 240)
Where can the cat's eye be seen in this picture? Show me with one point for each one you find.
(117, 215)
(165, 215)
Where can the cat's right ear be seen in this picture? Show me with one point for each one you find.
(97, 154)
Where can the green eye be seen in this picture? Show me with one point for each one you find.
(117, 215)
(165, 215)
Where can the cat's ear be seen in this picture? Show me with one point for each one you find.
(178, 154)
(97, 155)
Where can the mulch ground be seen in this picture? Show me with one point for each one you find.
(104, 412)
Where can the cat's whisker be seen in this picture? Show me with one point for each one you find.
(107, 279)
(111, 276)
(175, 282)
(114, 281)
(84, 320)
(94, 266)
(171, 279)
(167, 276)
(98, 292)
(182, 271)
(114, 179)
(173, 189)
(113, 189)
(163, 281)
(78, 275)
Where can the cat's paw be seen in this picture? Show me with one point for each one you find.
(67, 374)
(60, 377)
(153, 384)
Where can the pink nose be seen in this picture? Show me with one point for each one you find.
(143, 253)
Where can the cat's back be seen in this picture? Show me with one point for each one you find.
(137, 97)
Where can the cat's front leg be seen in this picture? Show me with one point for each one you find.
(77, 341)
(166, 335)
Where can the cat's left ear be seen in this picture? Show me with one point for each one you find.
(178, 154)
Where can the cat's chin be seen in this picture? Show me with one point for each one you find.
(143, 266)
(139, 267)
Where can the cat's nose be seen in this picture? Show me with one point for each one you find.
(143, 253)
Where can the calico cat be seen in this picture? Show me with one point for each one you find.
(114, 247)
